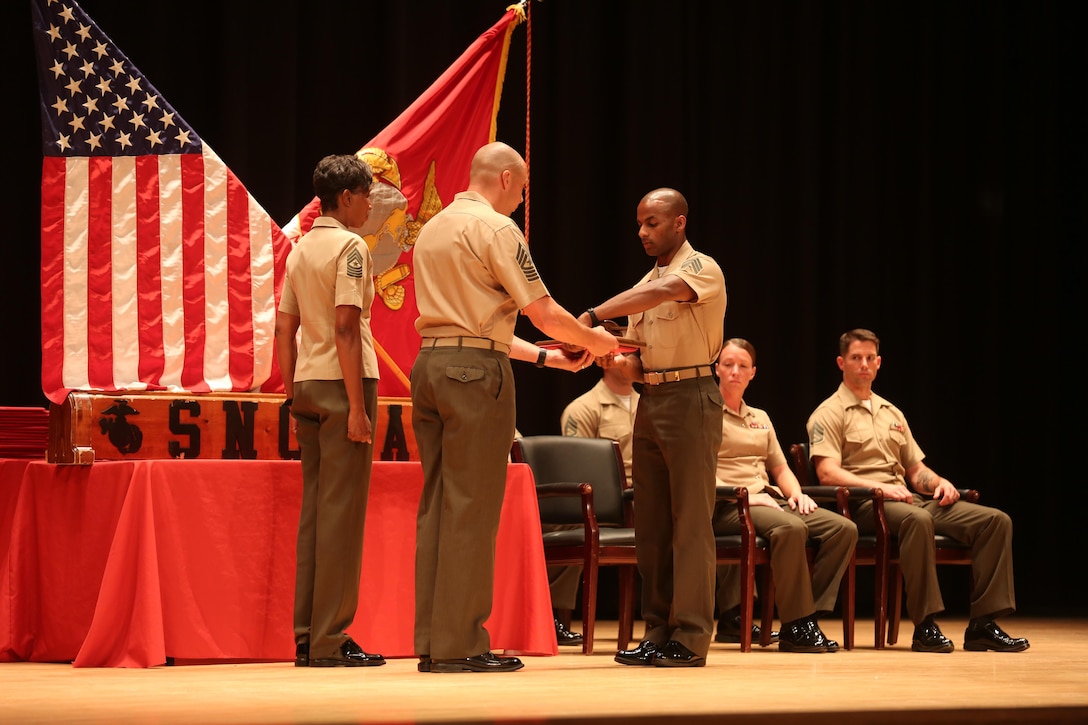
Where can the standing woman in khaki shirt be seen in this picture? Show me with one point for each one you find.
(331, 381)
(678, 310)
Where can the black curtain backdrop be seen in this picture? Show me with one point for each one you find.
(916, 167)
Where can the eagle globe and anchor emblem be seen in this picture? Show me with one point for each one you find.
(391, 230)
(126, 437)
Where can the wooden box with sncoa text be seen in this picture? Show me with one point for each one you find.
(112, 427)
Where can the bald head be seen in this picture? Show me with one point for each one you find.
(493, 159)
(499, 174)
(668, 201)
(662, 223)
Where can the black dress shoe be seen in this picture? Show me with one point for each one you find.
(982, 636)
(729, 629)
(641, 655)
(928, 638)
(302, 654)
(804, 635)
(351, 655)
(675, 654)
(564, 636)
(486, 662)
(424, 663)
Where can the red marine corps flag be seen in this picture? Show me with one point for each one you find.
(420, 161)
(159, 270)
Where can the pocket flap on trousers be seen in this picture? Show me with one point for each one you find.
(463, 373)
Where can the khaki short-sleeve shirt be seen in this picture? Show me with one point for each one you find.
(600, 413)
(749, 447)
(330, 266)
(473, 272)
(684, 334)
(876, 445)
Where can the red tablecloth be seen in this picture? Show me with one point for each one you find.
(123, 563)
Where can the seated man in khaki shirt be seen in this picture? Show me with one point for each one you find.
(857, 438)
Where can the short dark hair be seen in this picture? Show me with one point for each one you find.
(337, 172)
(858, 334)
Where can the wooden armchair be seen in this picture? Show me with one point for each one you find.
(582, 481)
(879, 550)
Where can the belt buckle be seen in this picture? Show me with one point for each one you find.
(675, 376)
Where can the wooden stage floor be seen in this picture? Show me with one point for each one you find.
(1047, 683)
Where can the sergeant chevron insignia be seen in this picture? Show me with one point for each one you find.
(694, 265)
(525, 260)
(355, 264)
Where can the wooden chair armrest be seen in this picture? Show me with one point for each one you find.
(861, 493)
(582, 490)
(880, 521)
(563, 488)
(627, 496)
(730, 493)
(739, 494)
(837, 495)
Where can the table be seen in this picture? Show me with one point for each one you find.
(126, 563)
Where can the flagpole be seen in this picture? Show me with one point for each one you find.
(526, 6)
(397, 372)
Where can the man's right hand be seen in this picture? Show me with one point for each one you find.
(897, 492)
(603, 343)
(359, 428)
(565, 359)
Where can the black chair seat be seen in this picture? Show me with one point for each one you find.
(728, 542)
(577, 537)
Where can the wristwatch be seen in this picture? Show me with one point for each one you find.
(541, 358)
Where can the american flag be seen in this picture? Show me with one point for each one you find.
(159, 270)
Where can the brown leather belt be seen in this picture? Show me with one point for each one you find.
(675, 376)
(482, 343)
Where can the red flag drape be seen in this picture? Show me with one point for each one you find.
(421, 160)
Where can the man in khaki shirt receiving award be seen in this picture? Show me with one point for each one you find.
(678, 311)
